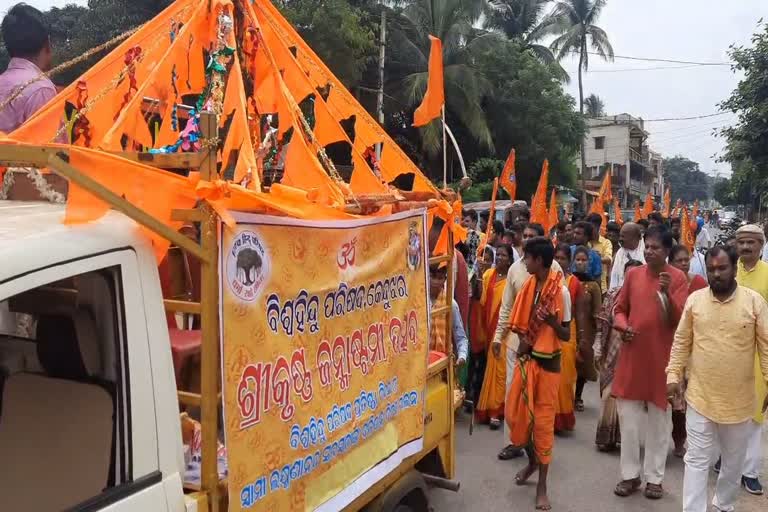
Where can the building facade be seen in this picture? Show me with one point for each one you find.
(618, 144)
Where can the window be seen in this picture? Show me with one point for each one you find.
(599, 142)
(63, 398)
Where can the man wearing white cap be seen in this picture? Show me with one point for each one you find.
(753, 273)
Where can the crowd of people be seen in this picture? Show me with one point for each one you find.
(676, 341)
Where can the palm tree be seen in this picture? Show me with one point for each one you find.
(451, 21)
(524, 21)
(595, 106)
(575, 21)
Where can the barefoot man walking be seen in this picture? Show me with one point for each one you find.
(540, 317)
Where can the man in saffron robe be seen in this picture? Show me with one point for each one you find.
(647, 312)
(504, 337)
(541, 318)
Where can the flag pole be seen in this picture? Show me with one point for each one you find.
(445, 152)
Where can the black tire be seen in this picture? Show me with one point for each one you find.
(404, 507)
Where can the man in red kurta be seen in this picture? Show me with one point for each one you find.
(648, 309)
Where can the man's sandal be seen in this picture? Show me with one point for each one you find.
(654, 491)
(627, 487)
(578, 405)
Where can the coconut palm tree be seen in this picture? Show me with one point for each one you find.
(525, 22)
(595, 106)
(575, 21)
(452, 21)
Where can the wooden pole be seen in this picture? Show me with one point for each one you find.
(445, 153)
(449, 348)
(209, 319)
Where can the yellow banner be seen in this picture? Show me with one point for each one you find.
(324, 346)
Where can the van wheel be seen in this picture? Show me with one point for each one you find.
(403, 508)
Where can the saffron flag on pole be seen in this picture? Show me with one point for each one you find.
(508, 179)
(604, 195)
(491, 218)
(434, 99)
(648, 206)
(667, 204)
(686, 235)
(638, 212)
(617, 212)
(539, 202)
(553, 217)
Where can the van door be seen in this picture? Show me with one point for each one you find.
(77, 341)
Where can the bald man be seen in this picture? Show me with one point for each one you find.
(632, 248)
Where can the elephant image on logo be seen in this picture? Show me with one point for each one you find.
(247, 266)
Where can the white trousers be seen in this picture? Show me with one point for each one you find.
(511, 360)
(632, 415)
(753, 463)
(704, 439)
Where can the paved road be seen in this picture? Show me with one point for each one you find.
(581, 479)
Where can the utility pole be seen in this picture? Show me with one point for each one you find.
(382, 51)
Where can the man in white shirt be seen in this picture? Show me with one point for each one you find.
(632, 248)
(703, 239)
(516, 278)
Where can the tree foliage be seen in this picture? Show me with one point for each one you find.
(686, 181)
(747, 140)
(525, 21)
(594, 106)
(341, 34)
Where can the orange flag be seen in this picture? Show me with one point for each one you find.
(491, 218)
(508, 179)
(434, 99)
(648, 206)
(638, 213)
(553, 217)
(686, 235)
(154, 191)
(539, 203)
(667, 204)
(604, 196)
(695, 210)
(617, 212)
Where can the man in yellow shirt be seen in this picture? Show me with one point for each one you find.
(721, 331)
(753, 273)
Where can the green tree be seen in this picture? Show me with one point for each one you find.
(575, 21)
(524, 21)
(686, 181)
(528, 110)
(451, 21)
(342, 34)
(747, 140)
(594, 105)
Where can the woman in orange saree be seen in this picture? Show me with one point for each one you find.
(490, 406)
(565, 419)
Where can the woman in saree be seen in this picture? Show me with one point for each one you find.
(477, 334)
(565, 419)
(585, 358)
(490, 406)
(607, 345)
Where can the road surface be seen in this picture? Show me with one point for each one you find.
(581, 479)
